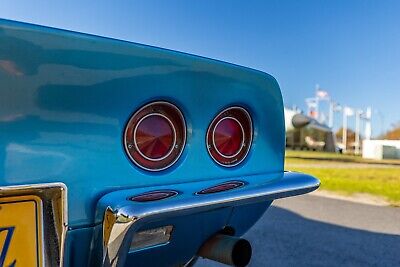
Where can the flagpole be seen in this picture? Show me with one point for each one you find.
(368, 124)
(317, 101)
(357, 137)
(344, 133)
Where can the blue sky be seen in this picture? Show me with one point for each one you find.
(350, 48)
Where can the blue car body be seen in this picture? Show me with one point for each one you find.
(65, 100)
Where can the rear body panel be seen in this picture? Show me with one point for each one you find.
(66, 98)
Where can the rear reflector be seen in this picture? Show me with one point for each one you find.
(221, 187)
(151, 237)
(154, 196)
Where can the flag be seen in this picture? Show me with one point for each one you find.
(312, 106)
(313, 114)
(321, 94)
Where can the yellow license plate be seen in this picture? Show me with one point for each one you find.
(21, 231)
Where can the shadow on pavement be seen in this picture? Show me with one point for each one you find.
(283, 238)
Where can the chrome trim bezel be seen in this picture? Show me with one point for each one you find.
(250, 142)
(54, 214)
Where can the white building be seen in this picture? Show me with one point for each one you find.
(381, 149)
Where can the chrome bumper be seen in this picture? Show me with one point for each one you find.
(122, 217)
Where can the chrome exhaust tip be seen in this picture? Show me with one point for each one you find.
(228, 250)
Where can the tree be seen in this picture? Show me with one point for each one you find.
(394, 133)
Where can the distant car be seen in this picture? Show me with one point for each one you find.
(119, 154)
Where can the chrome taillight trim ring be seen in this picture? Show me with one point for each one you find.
(179, 146)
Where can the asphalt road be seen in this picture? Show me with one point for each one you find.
(318, 231)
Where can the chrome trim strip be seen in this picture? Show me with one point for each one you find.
(121, 222)
(54, 198)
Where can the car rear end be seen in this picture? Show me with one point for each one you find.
(131, 154)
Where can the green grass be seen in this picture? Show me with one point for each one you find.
(339, 173)
(335, 157)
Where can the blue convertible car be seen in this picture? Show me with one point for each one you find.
(119, 154)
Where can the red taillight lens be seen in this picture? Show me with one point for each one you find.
(221, 187)
(155, 136)
(229, 136)
(154, 196)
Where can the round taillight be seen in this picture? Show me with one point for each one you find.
(229, 136)
(155, 136)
